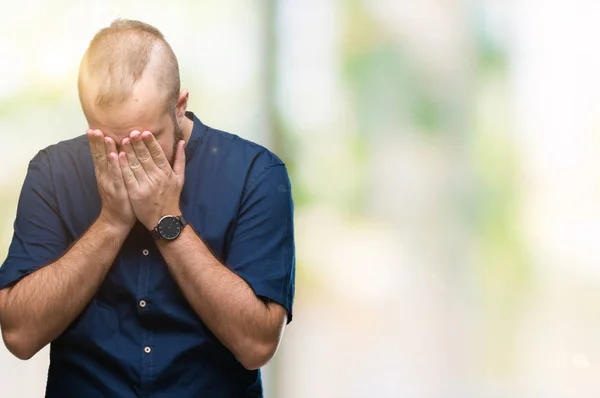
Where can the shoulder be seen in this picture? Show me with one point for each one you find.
(64, 153)
(218, 139)
(240, 154)
(65, 161)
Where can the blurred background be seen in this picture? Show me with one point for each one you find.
(444, 156)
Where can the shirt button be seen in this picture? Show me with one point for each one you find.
(147, 350)
(145, 252)
(142, 303)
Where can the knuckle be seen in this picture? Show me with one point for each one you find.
(135, 196)
(156, 152)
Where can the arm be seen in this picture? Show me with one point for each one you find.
(250, 328)
(37, 302)
(42, 305)
(260, 261)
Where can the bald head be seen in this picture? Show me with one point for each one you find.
(122, 55)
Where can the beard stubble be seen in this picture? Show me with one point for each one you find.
(177, 136)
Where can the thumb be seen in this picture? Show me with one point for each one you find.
(179, 164)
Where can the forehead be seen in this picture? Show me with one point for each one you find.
(118, 121)
(144, 110)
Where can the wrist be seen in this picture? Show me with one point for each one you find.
(155, 220)
(116, 226)
(163, 244)
(169, 228)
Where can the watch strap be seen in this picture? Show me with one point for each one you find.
(183, 221)
(154, 233)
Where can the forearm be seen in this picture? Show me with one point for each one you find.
(247, 326)
(42, 305)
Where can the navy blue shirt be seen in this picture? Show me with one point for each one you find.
(139, 337)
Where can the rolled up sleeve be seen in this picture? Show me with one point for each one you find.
(262, 250)
(39, 236)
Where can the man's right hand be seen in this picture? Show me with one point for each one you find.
(116, 207)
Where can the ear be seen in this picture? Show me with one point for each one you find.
(182, 103)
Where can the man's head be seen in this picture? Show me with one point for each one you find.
(129, 80)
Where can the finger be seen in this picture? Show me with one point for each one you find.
(98, 149)
(179, 164)
(114, 170)
(156, 151)
(90, 137)
(100, 146)
(111, 147)
(134, 164)
(142, 153)
(128, 176)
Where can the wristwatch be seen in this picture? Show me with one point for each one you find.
(169, 228)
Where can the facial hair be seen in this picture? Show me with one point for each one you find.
(177, 136)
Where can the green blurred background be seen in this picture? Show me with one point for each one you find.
(444, 160)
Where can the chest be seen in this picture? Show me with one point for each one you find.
(209, 204)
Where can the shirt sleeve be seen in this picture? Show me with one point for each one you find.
(39, 236)
(262, 248)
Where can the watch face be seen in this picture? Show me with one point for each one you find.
(169, 227)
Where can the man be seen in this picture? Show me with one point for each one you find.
(154, 253)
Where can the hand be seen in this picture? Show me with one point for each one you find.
(116, 208)
(154, 187)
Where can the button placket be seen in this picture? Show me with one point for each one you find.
(144, 311)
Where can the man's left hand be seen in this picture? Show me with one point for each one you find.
(154, 186)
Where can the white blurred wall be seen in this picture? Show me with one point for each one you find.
(384, 309)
